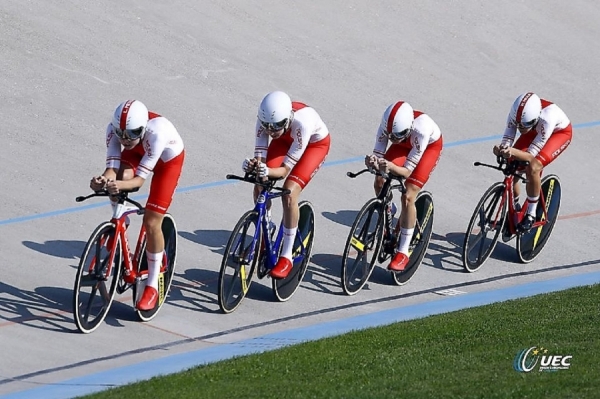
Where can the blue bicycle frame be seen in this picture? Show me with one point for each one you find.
(272, 247)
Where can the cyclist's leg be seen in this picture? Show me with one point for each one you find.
(129, 161)
(396, 154)
(276, 154)
(532, 174)
(417, 179)
(163, 185)
(300, 175)
(556, 144)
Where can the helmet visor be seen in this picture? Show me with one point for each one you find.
(527, 125)
(129, 134)
(397, 136)
(274, 126)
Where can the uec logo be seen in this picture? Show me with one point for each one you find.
(527, 359)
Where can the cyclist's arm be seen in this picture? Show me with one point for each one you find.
(130, 184)
(518, 154)
(279, 172)
(261, 143)
(381, 142)
(110, 173)
(399, 170)
(508, 138)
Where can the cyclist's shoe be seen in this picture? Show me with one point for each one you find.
(399, 262)
(148, 299)
(282, 268)
(526, 223)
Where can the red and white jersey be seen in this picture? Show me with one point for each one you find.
(552, 118)
(161, 142)
(424, 132)
(306, 127)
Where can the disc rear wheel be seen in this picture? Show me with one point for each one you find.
(285, 288)
(530, 244)
(165, 278)
(420, 239)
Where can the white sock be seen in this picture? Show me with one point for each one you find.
(289, 236)
(154, 263)
(532, 207)
(405, 237)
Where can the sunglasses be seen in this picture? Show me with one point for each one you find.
(129, 134)
(397, 135)
(274, 126)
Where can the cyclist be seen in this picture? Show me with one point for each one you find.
(139, 142)
(299, 144)
(416, 146)
(545, 132)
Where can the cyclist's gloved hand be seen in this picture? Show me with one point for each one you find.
(112, 187)
(262, 170)
(97, 183)
(248, 165)
(384, 165)
(371, 162)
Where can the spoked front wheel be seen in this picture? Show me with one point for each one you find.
(530, 244)
(165, 278)
(420, 239)
(484, 228)
(285, 288)
(239, 261)
(362, 247)
(96, 279)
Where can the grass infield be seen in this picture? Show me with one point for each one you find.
(463, 354)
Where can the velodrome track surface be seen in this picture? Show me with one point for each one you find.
(206, 67)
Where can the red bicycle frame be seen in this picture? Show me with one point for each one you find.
(514, 216)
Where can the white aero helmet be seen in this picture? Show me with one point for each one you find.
(130, 119)
(526, 110)
(398, 120)
(275, 111)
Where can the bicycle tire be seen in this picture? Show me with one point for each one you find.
(285, 288)
(369, 224)
(101, 277)
(421, 237)
(169, 229)
(486, 217)
(234, 285)
(530, 244)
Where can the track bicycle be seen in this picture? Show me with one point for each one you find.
(373, 237)
(251, 247)
(496, 215)
(107, 265)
